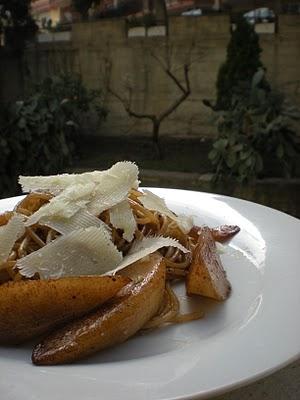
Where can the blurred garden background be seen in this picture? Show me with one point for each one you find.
(203, 95)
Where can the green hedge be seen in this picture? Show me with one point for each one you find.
(39, 135)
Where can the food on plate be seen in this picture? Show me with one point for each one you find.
(224, 233)
(220, 234)
(206, 275)
(92, 233)
(31, 307)
(121, 318)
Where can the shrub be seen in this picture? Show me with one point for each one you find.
(258, 125)
(40, 134)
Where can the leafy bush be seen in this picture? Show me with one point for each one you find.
(40, 134)
(257, 125)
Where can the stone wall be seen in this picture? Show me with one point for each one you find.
(130, 64)
(104, 55)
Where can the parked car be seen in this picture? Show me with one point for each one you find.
(260, 15)
(195, 12)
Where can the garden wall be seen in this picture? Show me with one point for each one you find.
(104, 55)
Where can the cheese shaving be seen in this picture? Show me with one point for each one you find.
(56, 183)
(185, 222)
(115, 187)
(87, 251)
(146, 246)
(106, 190)
(9, 233)
(82, 219)
(66, 204)
(121, 217)
(156, 203)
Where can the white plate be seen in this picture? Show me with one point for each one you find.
(249, 336)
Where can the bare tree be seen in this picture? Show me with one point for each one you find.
(155, 119)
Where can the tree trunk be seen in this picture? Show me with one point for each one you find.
(155, 139)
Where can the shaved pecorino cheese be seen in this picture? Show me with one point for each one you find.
(87, 251)
(66, 204)
(110, 188)
(56, 183)
(155, 203)
(82, 219)
(115, 187)
(146, 246)
(9, 234)
(121, 217)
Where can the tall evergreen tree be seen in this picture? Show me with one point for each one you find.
(242, 61)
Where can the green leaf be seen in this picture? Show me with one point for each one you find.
(72, 123)
(231, 159)
(53, 105)
(18, 106)
(257, 78)
(213, 154)
(280, 151)
(237, 148)
(245, 154)
(31, 106)
(22, 123)
(220, 144)
(250, 161)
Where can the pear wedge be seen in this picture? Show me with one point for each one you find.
(111, 324)
(30, 308)
(220, 234)
(206, 275)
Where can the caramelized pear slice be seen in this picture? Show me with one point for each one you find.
(224, 233)
(206, 274)
(221, 234)
(112, 324)
(30, 308)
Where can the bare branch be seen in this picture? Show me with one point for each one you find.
(128, 109)
(175, 80)
(169, 73)
(157, 119)
(158, 60)
(186, 77)
(185, 93)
